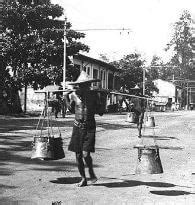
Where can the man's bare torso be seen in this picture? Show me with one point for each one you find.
(85, 105)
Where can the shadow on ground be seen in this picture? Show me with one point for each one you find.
(4, 187)
(29, 123)
(159, 137)
(38, 165)
(69, 180)
(5, 172)
(66, 180)
(171, 192)
(171, 115)
(132, 183)
(10, 201)
(114, 126)
(15, 124)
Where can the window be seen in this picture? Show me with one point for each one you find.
(117, 83)
(95, 73)
(101, 75)
(76, 72)
(110, 81)
(84, 68)
(104, 79)
(88, 71)
(95, 76)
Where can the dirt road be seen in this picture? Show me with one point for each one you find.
(25, 181)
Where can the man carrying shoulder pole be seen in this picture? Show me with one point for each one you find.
(87, 104)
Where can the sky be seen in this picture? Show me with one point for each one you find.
(150, 23)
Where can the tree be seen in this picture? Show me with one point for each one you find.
(160, 70)
(34, 43)
(153, 71)
(131, 73)
(130, 70)
(181, 45)
(104, 57)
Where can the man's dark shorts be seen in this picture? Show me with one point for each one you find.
(139, 116)
(83, 137)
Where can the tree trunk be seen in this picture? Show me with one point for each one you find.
(25, 97)
(64, 108)
(3, 103)
(15, 102)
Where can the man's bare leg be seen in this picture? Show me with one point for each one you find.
(81, 168)
(139, 125)
(139, 130)
(89, 163)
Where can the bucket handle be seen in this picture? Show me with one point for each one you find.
(42, 119)
(42, 116)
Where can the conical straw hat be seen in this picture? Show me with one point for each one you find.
(84, 78)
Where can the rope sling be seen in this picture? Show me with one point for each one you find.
(47, 147)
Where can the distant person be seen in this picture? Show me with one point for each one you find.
(173, 107)
(124, 105)
(138, 106)
(86, 105)
(55, 103)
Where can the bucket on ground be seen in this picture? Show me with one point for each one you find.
(148, 160)
(131, 117)
(150, 121)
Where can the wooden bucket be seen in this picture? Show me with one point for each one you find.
(42, 149)
(58, 151)
(131, 117)
(150, 121)
(148, 160)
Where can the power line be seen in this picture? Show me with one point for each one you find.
(166, 66)
(98, 29)
(104, 29)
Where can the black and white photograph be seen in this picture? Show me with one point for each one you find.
(97, 102)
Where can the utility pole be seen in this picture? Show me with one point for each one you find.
(64, 71)
(187, 98)
(173, 80)
(64, 65)
(144, 79)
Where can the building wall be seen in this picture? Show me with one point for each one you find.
(166, 91)
(35, 101)
(106, 76)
